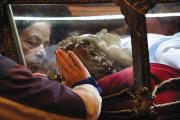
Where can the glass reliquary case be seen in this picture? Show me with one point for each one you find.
(108, 37)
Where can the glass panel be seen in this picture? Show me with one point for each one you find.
(163, 27)
(99, 29)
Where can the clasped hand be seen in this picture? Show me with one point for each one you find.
(70, 66)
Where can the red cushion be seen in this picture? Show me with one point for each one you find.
(166, 97)
(117, 81)
(123, 79)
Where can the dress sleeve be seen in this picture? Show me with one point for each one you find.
(92, 100)
(17, 83)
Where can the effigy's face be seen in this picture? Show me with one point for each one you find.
(100, 53)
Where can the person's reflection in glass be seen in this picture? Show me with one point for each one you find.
(35, 35)
(34, 38)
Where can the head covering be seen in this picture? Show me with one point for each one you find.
(100, 53)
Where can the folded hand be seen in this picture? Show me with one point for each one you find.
(70, 66)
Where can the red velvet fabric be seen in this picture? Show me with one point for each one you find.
(124, 78)
(163, 72)
(117, 81)
(166, 97)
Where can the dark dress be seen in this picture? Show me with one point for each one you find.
(18, 84)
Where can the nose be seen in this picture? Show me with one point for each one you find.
(41, 54)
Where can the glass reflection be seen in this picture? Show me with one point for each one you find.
(42, 32)
(163, 29)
